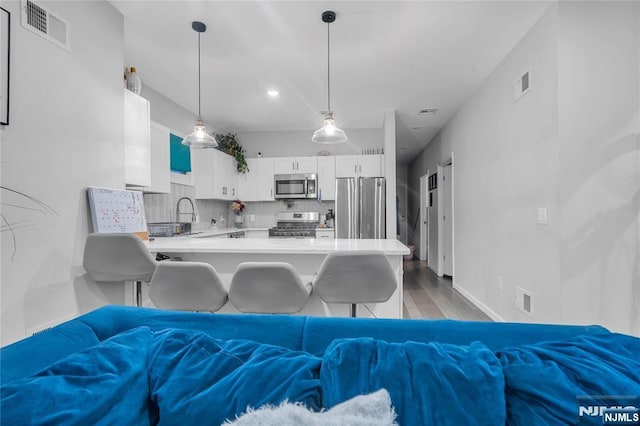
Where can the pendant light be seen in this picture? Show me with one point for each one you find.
(199, 138)
(329, 133)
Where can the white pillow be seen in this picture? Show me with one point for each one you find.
(373, 409)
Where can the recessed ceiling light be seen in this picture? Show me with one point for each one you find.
(273, 93)
(427, 111)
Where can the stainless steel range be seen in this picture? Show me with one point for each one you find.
(295, 225)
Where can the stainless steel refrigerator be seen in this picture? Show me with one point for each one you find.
(360, 207)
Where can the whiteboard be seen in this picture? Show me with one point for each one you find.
(117, 210)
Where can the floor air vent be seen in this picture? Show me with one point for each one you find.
(46, 23)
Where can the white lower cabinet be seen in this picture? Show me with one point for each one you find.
(325, 234)
(257, 233)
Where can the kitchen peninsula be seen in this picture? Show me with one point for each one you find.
(305, 255)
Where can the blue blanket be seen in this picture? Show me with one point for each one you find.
(174, 376)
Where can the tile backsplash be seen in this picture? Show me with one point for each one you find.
(162, 208)
(265, 211)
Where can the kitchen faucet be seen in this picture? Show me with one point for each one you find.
(192, 213)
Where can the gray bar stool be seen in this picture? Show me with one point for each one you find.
(187, 286)
(118, 257)
(355, 277)
(268, 288)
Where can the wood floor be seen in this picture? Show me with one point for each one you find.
(427, 295)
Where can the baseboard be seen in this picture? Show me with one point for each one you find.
(471, 298)
(433, 270)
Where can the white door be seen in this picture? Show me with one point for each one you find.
(424, 198)
(401, 218)
(369, 166)
(265, 179)
(248, 182)
(327, 178)
(346, 166)
(306, 165)
(284, 165)
(432, 255)
(447, 221)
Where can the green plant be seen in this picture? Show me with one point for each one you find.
(229, 144)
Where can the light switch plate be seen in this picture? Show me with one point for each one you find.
(543, 215)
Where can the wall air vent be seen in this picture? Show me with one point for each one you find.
(521, 85)
(46, 23)
(524, 301)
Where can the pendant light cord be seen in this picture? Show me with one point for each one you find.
(199, 116)
(328, 70)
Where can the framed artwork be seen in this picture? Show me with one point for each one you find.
(5, 31)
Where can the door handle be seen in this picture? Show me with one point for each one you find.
(293, 166)
(297, 166)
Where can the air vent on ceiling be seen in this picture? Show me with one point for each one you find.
(521, 85)
(46, 23)
(428, 111)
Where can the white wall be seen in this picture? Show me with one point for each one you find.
(169, 113)
(389, 129)
(599, 173)
(66, 133)
(570, 145)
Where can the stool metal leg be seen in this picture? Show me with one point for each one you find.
(138, 290)
(353, 310)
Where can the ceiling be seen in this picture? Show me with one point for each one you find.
(397, 55)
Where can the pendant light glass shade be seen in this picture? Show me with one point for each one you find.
(199, 138)
(329, 133)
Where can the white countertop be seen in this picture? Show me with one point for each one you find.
(212, 232)
(272, 245)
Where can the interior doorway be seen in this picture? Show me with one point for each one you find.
(446, 217)
(433, 202)
(422, 213)
(401, 219)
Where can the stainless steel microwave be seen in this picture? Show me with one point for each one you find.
(296, 186)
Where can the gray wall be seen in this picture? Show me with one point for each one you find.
(570, 145)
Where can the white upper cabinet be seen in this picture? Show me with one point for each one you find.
(137, 152)
(248, 182)
(306, 164)
(359, 166)
(160, 160)
(265, 179)
(370, 165)
(202, 172)
(214, 174)
(294, 165)
(327, 178)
